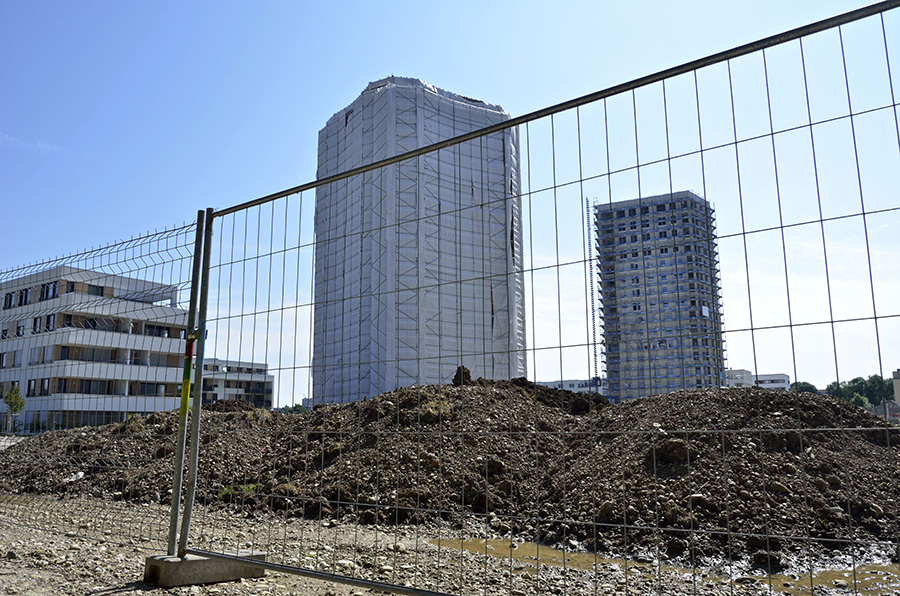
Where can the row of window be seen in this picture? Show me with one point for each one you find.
(650, 265)
(41, 387)
(44, 355)
(48, 291)
(645, 209)
(648, 252)
(11, 359)
(49, 322)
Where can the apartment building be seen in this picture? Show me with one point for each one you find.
(86, 347)
(418, 267)
(660, 302)
(739, 377)
(233, 379)
(594, 385)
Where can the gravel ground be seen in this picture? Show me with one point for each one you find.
(87, 556)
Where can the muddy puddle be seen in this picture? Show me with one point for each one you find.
(526, 557)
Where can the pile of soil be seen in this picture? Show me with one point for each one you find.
(749, 473)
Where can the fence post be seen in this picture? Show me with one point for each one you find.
(185, 386)
(197, 390)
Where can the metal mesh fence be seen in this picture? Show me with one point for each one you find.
(92, 346)
(642, 341)
(716, 235)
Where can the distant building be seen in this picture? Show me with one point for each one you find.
(739, 377)
(232, 379)
(888, 409)
(595, 385)
(86, 347)
(659, 294)
(896, 383)
(418, 267)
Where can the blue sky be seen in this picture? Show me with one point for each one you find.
(122, 117)
(119, 118)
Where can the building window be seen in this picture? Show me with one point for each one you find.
(67, 320)
(95, 290)
(51, 322)
(17, 359)
(60, 385)
(2, 359)
(31, 386)
(156, 331)
(45, 387)
(70, 287)
(63, 352)
(20, 330)
(8, 300)
(48, 290)
(4, 333)
(24, 296)
(94, 387)
(36, 325)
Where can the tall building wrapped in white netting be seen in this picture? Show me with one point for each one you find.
(418, 265)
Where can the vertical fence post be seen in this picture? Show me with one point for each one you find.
(185, 385)
(197, 390)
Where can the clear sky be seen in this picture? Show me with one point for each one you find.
(121, 117)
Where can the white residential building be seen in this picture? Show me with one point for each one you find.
(418, 266)
(86, 347)
(595, 385)
(739, 377)
(233, 379)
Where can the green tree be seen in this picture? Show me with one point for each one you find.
(803, 387)
(878, 389)
(854, 386)
(294, 409)
(860, 400)
(14, 403)
(834, 389)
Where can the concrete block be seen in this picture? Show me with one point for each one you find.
(170, 571)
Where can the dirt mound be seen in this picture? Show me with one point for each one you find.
(747, 473)
(230, 405)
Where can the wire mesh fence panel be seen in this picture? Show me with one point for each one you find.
(645, 341)
(92, 347)
(628, 343)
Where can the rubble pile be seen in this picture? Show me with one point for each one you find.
(747, 473)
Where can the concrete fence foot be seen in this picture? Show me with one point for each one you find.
(170, 571)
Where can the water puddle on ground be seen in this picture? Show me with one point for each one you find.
(866, 580)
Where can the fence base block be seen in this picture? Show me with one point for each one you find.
(170, 571)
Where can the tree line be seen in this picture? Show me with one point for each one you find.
(859, 391)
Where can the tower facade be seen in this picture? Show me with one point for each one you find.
(418, 266)
(660, 294)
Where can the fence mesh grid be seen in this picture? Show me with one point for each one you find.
(92, 343)
(420, 377)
